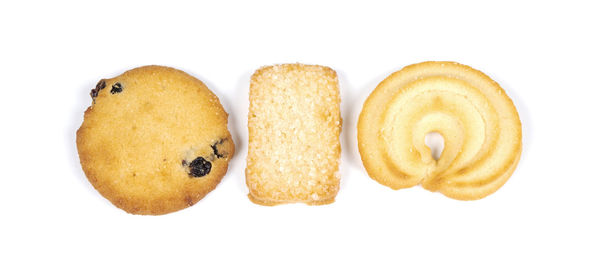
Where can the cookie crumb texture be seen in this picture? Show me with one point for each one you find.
(294, 126)
(142, 139)
(479, 123)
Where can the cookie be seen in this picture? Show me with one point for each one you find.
(294, 127)
(154, 140)
(478, 121)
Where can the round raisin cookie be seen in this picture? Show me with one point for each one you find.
(154, 140)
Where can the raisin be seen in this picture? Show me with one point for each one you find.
(216, 150)
(99, 86)
(116, 88)
(199, 167)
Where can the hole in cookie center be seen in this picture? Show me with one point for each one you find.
(435, 142)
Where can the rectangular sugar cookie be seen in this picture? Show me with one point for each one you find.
(294, 129)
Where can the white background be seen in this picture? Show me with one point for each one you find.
(545, 219)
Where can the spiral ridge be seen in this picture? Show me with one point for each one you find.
(478, 121)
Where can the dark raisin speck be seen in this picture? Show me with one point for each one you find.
(116, 88)
(99, 86)
(199, 167)
(216, 150)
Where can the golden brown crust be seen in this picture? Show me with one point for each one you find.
(272, 202)
(294, 124)
(479, 122)
(136, 145)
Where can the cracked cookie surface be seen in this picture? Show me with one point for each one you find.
(154, 140)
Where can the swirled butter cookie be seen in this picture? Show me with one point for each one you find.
(478, 121)
(154, 140)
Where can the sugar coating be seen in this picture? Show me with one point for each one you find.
(294, 125)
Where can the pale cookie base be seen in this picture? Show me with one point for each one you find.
(479, 123)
